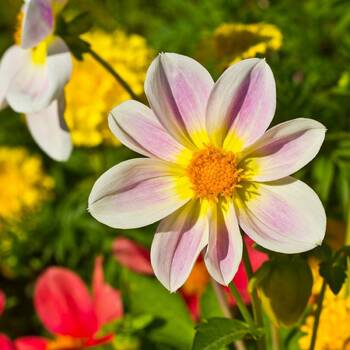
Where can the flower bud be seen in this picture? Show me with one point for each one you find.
(284, 288)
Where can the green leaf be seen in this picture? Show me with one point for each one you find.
(79, 25)
(334, 274)
(209, 304)
(323, 174)
(343, 188)
(218, 332)
(173, 325)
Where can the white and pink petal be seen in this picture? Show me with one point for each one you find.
(13, 59)
(178, 88)
(137, 192)
(136, 126)
(177, 243)
(242, 104)
(39, 20)
(285, 148)
(285, 216)
(49, 130)
(224, 251)
(35, 86)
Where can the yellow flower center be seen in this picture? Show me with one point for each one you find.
(65, 343)
(213, 173)
(39, 53)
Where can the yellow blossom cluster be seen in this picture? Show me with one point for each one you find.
(334, 326)
(232, 42)
(93, 92)
(24, 185)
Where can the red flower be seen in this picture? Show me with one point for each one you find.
(66, 308)
(132, 255)
(23, 343)
(2, 301)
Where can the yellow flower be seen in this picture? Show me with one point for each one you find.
(232, 42)
(333, 330)
(24, 186)
(93, 92)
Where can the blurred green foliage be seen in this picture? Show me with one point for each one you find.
(312, 72)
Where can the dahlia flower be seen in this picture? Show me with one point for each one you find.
(211, 168)
(33, 74)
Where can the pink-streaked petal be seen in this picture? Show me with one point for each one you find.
(242, 104)
(285, 148)
(284, 216)
(177, 243)
(136, 193)
(136, 126)
(132, 255)
(6, 343)
(12, 60)
(107, 301)
(64, 305)
(224, 251)
(177, 88)
(240, 280)
(35, 86)
(38, 22)
(31, 343)
(2, 301)
(49, 130)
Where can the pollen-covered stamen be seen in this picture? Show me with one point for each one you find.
(18, 31)
(213, 173)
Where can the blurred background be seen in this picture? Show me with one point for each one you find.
(43, 204)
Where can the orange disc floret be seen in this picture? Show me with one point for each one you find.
(213, 173)
(18, 31)
(65, 342)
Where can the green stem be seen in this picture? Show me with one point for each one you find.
(347, 242)
(276, 337)
(255, 299)
(241, 305)
(115, 74)
(318, 315)
(221, 297)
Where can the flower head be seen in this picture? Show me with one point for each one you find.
(236, 41)
(333, 330)
(130, 56)
(33, 74)
(24, 184)
(211, 168)
(67, 310)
